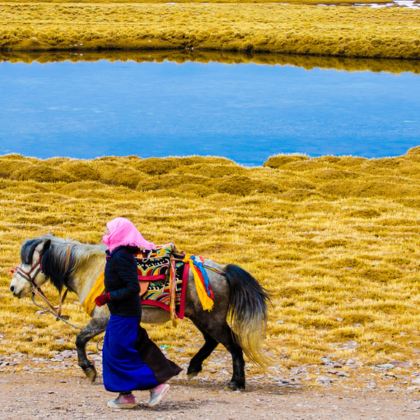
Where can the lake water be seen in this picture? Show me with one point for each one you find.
(245, 112)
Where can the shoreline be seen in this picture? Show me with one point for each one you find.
(270, 161)
(307, 62)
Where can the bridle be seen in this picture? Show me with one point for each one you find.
(36, 290)
(30, 275)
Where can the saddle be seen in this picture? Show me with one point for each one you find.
(154, 265)
(163, 277)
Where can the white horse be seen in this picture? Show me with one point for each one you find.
(237, 297)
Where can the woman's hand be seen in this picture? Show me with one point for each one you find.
(103, 299)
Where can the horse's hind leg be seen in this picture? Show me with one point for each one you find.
(95, 327)
(221, 333)
(227, 338)
(196, 363)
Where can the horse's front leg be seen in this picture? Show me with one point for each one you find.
(95, 327)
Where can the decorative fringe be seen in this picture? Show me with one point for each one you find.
(202, 285)
(172, 288)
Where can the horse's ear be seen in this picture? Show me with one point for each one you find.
(47, 245)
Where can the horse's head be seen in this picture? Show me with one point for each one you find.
(28, 274)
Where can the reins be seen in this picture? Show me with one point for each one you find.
(54, 310)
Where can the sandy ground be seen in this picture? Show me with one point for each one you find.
(34, 395)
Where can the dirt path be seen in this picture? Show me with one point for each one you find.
(30, 395)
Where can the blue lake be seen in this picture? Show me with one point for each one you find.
(245, 112)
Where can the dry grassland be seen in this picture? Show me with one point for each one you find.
(297, 29)
(334, 239)
(307, 62)
(333, 2)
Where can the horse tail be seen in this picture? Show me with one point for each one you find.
(247, 313)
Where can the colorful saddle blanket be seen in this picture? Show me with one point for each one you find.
(153, 269)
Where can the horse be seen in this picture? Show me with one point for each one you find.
(237, 320)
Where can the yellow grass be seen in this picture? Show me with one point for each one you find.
(338, 2)
(307, 62)
(334, 239)
(297, 29)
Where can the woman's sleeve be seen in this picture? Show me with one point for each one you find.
(125, 266)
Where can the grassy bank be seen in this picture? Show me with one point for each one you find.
(228, 57)
(334, 239)
(297, 29)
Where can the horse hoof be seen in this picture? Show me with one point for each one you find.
(192, 375)
(236, 386)
(91, 374)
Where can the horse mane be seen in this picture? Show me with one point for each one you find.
(27, 250)
(61, 259)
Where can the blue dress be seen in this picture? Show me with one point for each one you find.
(124, 369)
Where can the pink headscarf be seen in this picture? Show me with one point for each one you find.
(122, 231)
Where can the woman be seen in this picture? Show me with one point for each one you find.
(131, 361)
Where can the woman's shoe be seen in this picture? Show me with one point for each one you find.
(157, 393)
(123, 401)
